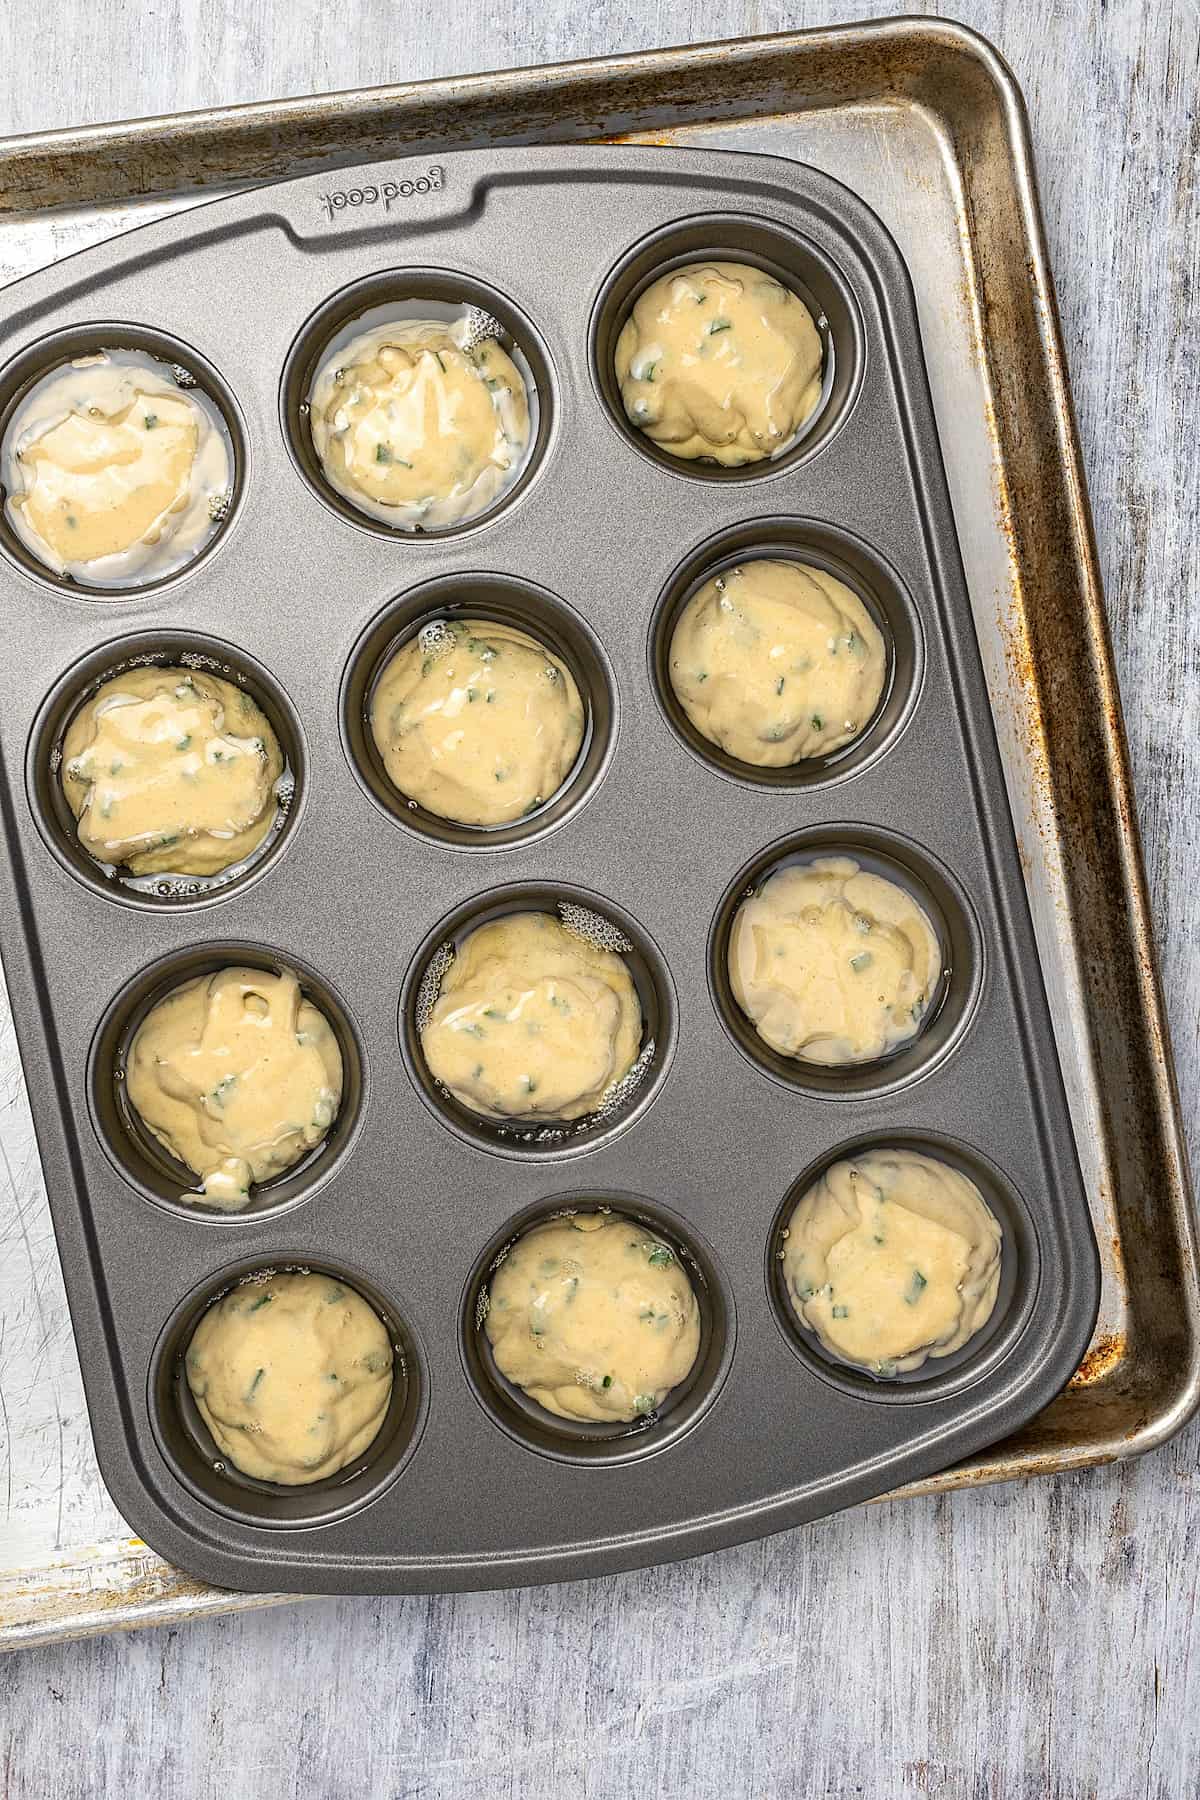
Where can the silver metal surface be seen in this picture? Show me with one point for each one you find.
(924, 122)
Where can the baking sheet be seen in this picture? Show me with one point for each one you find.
(923, 121)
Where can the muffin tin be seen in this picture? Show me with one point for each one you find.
(596, 545)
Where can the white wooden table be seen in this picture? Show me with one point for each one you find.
(1034, 1640)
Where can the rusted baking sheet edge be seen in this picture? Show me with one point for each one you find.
(1136, 1388)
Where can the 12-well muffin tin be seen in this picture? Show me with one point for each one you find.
(595, 548)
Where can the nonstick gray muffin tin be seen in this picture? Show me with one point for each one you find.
(411, 1198)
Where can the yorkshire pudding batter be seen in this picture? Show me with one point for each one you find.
(532, 1021)
(719, 361)
(171, 769)
(831, 964)
(114, 472)
(418, 424)
(892, 1257)
(237, 1076)
(776, 662)
(292, 1374)
(476, 721)
(593, 1317)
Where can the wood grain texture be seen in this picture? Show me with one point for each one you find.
(1036, 1640)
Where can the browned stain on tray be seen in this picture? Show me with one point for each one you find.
(1107, 1351)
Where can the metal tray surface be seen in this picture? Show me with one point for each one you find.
(458, 1491)
(924, 120)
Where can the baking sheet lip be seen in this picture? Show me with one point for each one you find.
(80, 141)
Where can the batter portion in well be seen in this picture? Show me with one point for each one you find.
(532, 1021)
(832, 964)
(892, 1257)
(476, 721)
(238, 1076)
(721, 362)
(594, 1317)
(114, 472)
(292, 1374)
(171, 769)
(420, 423)
(776, 661)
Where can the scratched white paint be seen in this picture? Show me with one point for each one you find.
(1039, 1640)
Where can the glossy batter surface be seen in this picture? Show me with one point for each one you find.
(418, 425)
(114, 472)
(833, 964)
(776, 662)
(292, 1374)
(238, 1076)
(171, 770)
(719, 361)
(892, 1257)
(532, 1021)
(594, 1317)
(477, 721)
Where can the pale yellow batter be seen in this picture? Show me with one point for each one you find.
(292, 1374)
(532, 1021)
(238, 1076)
(594, 1317)
(776, 662)
(832, 964)
(892, 1257)
(171, 769)
(719, 361)
(417, 424)
(114, 473)
(476, 721)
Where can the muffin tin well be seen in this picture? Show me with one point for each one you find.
(594, 549)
